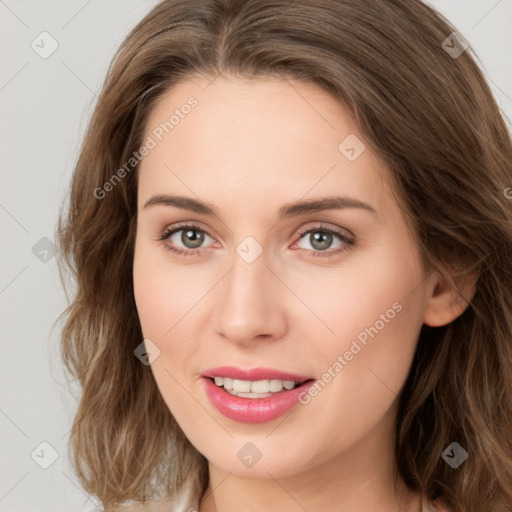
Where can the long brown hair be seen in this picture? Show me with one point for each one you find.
(428, 113)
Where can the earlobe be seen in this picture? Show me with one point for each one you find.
(444, 302)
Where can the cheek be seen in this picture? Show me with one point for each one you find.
(374, 315)
(163, 299)
(148, 286)
(164, 292)
(168, 299)
(367, 289)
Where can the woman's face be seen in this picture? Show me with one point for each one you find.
(264, 284)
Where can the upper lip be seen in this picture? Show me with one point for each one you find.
(253, 374)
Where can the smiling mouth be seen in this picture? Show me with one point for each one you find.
(255, 389)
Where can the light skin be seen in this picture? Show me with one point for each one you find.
(248, 148)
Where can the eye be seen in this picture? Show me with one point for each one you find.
(191, 237)
(321, 239)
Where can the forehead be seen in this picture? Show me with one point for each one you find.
(255, 140)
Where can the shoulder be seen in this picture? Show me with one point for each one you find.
(185, 499)
(160, 505)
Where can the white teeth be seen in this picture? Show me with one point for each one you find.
(241, 386)
(276, 385)
(259, 387)
(249, 395)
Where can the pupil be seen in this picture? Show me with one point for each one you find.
(192, 239)
(321, 240)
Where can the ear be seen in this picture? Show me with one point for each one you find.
(444, 304)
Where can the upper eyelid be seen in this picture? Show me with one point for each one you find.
(338, 231)
(190, 225)
(318, 227)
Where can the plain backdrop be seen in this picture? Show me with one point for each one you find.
(46, 101)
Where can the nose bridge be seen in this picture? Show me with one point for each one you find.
(247, 279)
(247, 307)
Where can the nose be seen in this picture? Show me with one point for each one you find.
(251, 303)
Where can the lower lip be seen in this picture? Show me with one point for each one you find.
(254, 410)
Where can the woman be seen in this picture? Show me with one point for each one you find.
(291, 234)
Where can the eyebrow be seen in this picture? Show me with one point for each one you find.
(293, 209)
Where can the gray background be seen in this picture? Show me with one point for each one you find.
(45, 105)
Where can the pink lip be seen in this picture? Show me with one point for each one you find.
(253, 374)
(254, 410)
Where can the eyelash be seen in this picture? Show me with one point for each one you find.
(348, 241)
